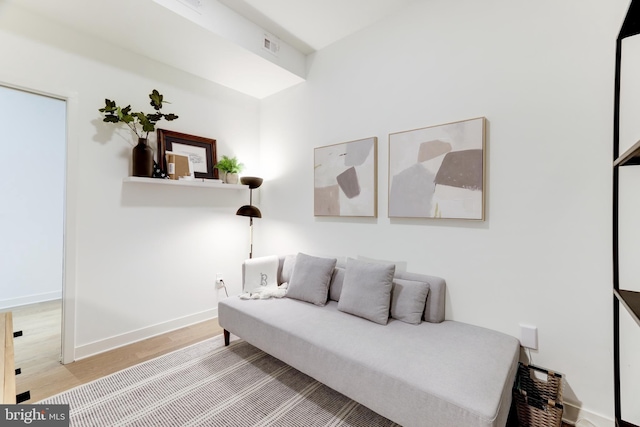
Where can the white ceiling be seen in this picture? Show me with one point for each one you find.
(311, 25)
(216, 49)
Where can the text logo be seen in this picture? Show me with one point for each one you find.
(34, 415)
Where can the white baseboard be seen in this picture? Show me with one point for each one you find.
(30, 299)
(573, 413)
(101, 346)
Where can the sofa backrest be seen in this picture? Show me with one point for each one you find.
(435, 307)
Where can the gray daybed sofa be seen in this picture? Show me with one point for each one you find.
(434, 373)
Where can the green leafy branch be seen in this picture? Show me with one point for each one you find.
(139, 122)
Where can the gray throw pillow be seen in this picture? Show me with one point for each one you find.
(335, 288)
(366, 290)
(287, 268)
(310, 279)
(408, 298)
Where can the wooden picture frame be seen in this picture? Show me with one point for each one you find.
(202, 151)
(346, 178)
(438, 171)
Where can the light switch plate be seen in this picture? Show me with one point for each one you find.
(529, 336)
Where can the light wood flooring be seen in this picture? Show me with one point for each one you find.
(38, 351)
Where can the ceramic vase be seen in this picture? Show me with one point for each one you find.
(231, 178)
(142, 159)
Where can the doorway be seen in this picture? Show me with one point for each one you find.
(33, 151)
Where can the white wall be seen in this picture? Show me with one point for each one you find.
(542, 74)
(33, 151)
(146, 256)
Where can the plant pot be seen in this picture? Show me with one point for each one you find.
(231, 178)
(142, 159)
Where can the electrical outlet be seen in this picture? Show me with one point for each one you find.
(529, 336)
(219, 280)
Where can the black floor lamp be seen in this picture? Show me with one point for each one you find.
(250, 210)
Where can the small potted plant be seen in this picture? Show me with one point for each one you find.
(141, 124)
(230, 168)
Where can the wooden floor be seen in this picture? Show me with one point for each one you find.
(38, 351)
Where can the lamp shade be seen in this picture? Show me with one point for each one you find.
(251, 181)
(250, 211)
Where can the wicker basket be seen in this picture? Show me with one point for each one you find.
(538, 402)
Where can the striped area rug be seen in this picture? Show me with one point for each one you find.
(208, 384)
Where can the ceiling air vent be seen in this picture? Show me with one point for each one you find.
(271, 44)
(193, 4)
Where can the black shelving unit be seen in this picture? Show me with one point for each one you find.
(628, 300)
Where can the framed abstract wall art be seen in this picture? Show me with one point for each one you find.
(438, 171)
(345, 179)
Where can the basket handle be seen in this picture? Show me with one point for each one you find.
(545, 371)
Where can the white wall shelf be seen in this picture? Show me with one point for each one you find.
(184, 183)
